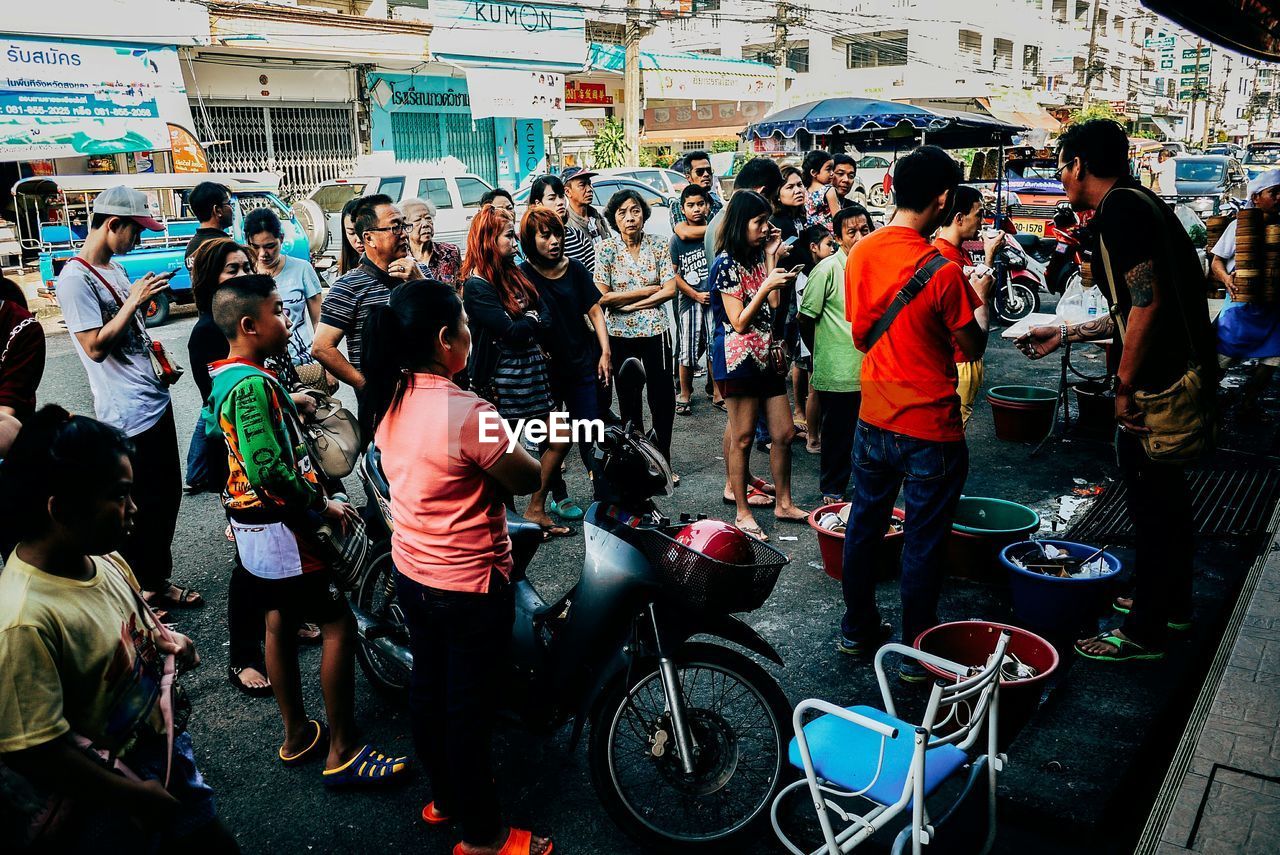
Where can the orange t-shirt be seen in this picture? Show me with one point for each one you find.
(909, 377)
(953, 253)
(451, 524)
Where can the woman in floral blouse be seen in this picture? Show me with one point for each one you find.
(746, 282)
(635, 277)
(442, 260)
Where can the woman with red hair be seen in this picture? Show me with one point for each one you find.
(510, 324)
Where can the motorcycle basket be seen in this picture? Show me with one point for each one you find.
(706, 584)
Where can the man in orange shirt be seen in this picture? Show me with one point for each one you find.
(906, 304)
(962, 223)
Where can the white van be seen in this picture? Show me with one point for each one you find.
(455, 193)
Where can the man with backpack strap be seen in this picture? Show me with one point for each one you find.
(906, 303)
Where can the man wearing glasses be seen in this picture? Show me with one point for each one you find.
(698, 169)
(385, 264)
(211, 203)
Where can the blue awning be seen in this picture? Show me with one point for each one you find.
(881, 122)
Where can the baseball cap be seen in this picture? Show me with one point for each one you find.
(121, 201)
(577, 172)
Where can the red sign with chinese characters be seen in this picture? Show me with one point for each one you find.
(577, 94)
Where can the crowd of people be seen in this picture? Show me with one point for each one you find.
(813, 328)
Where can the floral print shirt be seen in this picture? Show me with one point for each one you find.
(736, 355)
(816, 210)
(617, 270)
(446, 261)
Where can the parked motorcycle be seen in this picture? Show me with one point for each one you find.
(688, 739)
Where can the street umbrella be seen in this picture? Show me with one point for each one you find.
(870, 124)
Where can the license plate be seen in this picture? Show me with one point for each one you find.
(1031, 227)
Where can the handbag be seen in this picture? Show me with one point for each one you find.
(311, 375)
(1180, 417)
(333, 436)
(344, 550)
(166, 368)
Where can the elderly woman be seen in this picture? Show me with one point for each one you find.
(635, 278)
(442, 260)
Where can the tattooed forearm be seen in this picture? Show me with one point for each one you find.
(1103, 327)
(1142, 284)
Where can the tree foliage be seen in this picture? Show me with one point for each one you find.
(609, 148)
(1096, 110)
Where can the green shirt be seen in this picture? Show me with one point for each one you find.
(837, 364)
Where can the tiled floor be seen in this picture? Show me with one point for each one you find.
(1229, 800)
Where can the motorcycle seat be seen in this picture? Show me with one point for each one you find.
(525, 536)
(1026, 241)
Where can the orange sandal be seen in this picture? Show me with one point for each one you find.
(433, 817)
(519, 842)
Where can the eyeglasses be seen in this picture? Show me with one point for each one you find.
(703, 170)
(398, 228)
(1057, 173)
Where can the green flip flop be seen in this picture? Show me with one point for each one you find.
(1176, 626)
(1126, 650)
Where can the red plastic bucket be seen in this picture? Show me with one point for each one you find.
(970, 642)
(1022, 413)
(831, 545)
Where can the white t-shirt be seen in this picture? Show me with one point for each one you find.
(1225, 248)
(126, 393)
(1166, 175)
(297, 283)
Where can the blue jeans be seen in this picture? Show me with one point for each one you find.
(931, 476)
(197, 466)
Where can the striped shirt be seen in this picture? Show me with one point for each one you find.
(353, 296)
(579, 247)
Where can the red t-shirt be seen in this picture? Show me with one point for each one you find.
(953, 253)
(909, 378)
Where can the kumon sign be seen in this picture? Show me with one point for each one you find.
(487, 30)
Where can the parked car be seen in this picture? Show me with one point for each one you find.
(1261, 155)
(668, 182)
(455, 195)
(1226, 149)
(1206, 181)
(606, 185)
(54, 214)
(872, 169)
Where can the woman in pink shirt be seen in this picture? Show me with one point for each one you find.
(445, 456)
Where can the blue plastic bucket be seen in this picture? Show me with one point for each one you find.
(1053, 606)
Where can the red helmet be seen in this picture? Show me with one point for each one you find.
(718, 540)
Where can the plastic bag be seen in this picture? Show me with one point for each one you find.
(1080, 304)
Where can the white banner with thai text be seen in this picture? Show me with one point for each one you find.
(697, 85)
(501, 93)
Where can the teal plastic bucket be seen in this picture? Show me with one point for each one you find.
(982, 527)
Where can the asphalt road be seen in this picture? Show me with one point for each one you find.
(274, 809)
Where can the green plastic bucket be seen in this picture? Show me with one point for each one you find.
(981, 529)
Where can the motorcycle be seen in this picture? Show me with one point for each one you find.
(1069, 253)
(688, 739)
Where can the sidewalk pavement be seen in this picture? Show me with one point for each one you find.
(1228, 794)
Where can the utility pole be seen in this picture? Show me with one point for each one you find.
(1195, 96)
(1208, 91)
(631, 83)
(1222, 96)
(780, 24)
(1090, 57)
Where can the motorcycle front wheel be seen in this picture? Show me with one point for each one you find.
(376, 594)
(739, 720)
(1015, 301)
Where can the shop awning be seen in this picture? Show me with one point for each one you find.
(691, 76)
(1165, 126)
(1016, 112)
(681, 134)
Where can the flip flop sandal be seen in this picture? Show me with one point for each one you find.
(801, 429)
(803, 519)
(1175, 625)
(551, 531)
(755, 499)
(187, 599)
(1126, 650)
(567, 509)
(812, 449)
(764, 486)
(233, 677)
(519, 842)
(319, 745)
(753, 531)
(675, 480)
(309, 633)
(431, 817)
(367, 768)
(721, 406)
(683, 408)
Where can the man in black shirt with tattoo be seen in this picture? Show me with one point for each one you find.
(1160, 298)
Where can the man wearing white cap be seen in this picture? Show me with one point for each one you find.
(1247, 330)
(105, 315)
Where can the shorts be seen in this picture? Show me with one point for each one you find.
(761, 386)
(1228, 361)
(695, 333)
(310, 597)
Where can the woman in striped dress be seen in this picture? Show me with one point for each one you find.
(510, 327)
